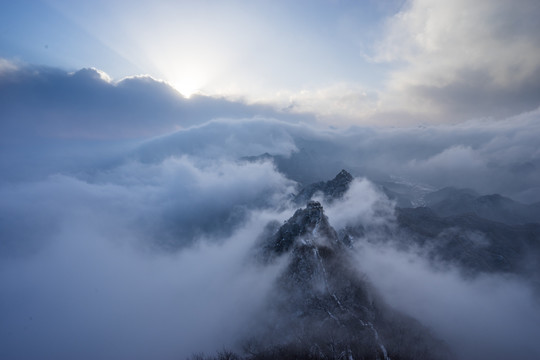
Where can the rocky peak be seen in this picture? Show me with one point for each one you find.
(336, 187)
(331, 190)
(320, 303)
(313, 213)
(342, 178)
(310, 222)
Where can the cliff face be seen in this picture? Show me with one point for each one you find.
(309, 224)
(331, 190)
(322, 308)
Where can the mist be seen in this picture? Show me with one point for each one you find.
(46, 111)
(130, 233)
(486, 317)
(89, 271)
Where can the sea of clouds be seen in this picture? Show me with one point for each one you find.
(128, 216)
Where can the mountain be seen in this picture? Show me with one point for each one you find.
(448, 193)
(479, 233)
(323, 308)
(331, 190)
(451, 202)
(475, 244)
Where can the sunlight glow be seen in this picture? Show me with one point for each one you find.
(187, 87)
(187, 79)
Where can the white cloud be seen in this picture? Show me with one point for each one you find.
(461, 57)
(85, 273)
(488, 317)
(489, 156)
(340, 103)
(87, 296)
(361, 204)
(170, 203)
(434, 36)
(84, 225)
(7, 66)
(49, 103)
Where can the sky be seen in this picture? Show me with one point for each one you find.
(445, 94)
(389, 62)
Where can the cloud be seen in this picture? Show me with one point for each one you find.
(463, 60)
(341, 103)
(140, 248)
(225, 138)
(46, 102)
(86, 297)
(91, 266)
(46, 111)
(488, 317)
(169, 204)
(362, 204)
(489, 156)
(6, 66)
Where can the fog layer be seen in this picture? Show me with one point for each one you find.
(127, 232)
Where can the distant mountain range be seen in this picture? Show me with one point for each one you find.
(479, 232)
(495, 207)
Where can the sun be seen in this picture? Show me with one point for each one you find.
(188, 81)
(187, 87)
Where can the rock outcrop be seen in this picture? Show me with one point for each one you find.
(331, 190)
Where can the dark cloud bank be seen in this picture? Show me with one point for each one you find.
(118, 245)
